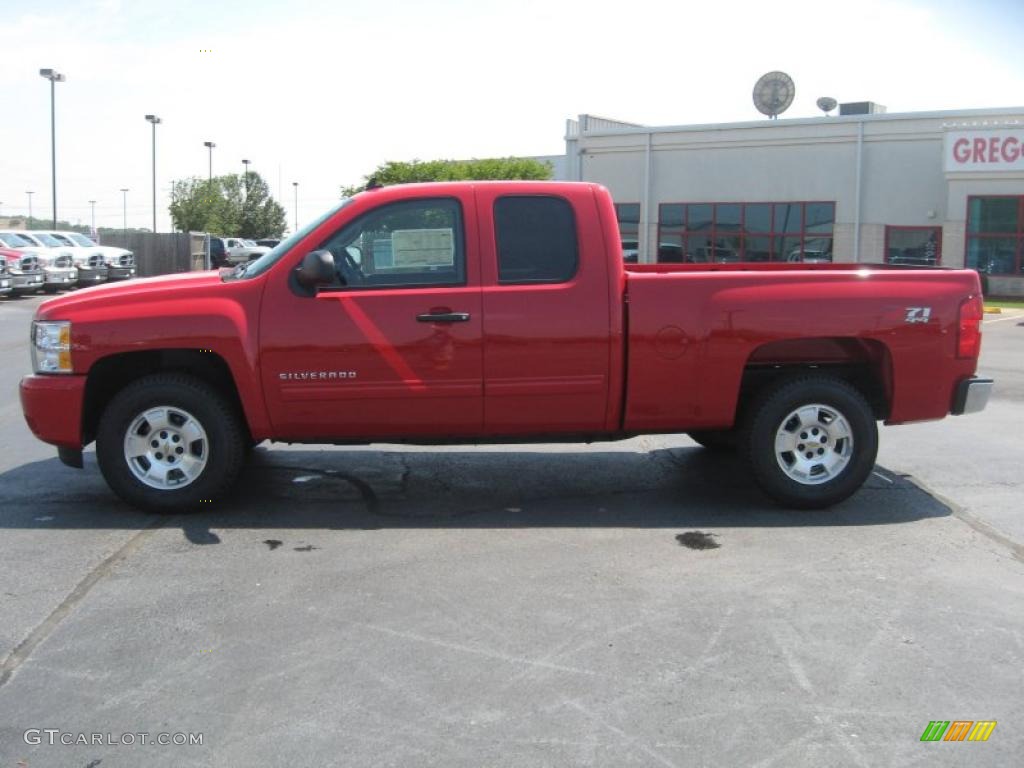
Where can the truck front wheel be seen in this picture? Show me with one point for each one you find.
(170, 443)
(811, 441)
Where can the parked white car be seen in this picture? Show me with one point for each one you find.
(120, 261)
(240, 250)
(56, 260)
(92, 269)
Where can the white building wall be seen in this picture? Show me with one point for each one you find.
(902, 180)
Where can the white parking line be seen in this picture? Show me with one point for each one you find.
(1004, 319)
(888, 480)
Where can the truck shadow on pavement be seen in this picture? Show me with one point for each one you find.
(680, 487)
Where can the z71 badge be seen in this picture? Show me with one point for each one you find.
(918, 314)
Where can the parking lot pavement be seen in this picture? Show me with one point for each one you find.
(628, 604)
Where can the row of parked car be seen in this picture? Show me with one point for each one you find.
(37, 260)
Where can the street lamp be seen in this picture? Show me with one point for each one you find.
(54, 77)
(209, 146)
(92, 204)
(154, 120)
(124, 221)
(29, 192)
(246, 164)
(296, 185)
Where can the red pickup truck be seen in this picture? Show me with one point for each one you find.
(497, 312)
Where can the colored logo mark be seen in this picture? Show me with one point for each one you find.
(958, 730)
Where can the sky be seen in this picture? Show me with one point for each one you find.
(321, 92)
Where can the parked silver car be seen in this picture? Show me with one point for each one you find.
(120, 261)
(58, 265)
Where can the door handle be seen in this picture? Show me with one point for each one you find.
(443, 317)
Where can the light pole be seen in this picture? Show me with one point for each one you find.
(124, 209)
(54, 77)
(295, 184)
(155, 121)
(209, 146)
(29, 192)
(245, 163)
(92, 204)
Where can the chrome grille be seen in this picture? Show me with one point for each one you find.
(96, 260)
(63, 261)
(30, 263)
(127, 260)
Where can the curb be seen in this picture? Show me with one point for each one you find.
(993, 310)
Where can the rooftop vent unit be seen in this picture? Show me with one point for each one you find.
(861, 108)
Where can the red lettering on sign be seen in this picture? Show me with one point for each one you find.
(979, 150)
(961, 150)
(993, 149)
(1011, 149)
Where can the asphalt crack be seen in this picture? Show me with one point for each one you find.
(24, 649)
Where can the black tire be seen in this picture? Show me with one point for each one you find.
(765, 421)
(715, 439)
(226, 437)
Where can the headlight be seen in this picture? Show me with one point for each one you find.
(51, 347)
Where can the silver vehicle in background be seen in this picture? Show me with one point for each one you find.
(56, 260)
(120, 261)
(92, 269)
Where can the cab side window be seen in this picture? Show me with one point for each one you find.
(406, 244)
(536, 239)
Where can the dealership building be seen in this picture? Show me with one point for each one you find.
(920, 188)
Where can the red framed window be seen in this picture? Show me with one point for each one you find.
(995, 234)
(628, 215)
(914, 246)
(728, 232)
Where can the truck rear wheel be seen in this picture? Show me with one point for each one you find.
(170, 443)
(811, 441)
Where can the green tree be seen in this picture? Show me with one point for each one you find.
(393, 172)
(262, 216)
(231, 205)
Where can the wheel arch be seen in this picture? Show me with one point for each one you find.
(110, 374)
(865, 363)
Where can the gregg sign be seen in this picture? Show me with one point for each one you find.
(987, 151)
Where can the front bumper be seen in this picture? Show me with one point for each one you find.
(971, 395)
(120, 273)
(92, 275)
(60, 276)
(6, 284)
(53, 407)
(27, 283)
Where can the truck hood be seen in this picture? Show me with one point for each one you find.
(130, 292)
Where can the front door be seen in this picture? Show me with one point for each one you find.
(394, 348)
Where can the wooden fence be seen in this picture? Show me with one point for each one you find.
(161, 254)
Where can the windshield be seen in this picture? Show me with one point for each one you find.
(248, 243)
(15, 241)
(48, 240)
(267, 260)
(81, 240)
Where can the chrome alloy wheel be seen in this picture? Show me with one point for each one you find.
(166, 447)
(814, 444)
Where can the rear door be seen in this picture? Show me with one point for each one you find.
(393, 349)
(546, 311)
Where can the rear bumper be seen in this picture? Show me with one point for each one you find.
(971, 395)
(53, 408)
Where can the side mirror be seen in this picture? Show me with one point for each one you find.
(317, 268)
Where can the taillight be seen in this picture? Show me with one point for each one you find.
(968, 340)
